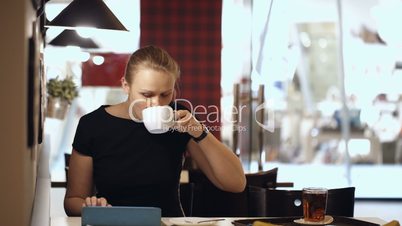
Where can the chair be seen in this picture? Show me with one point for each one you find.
(210, 201)
(341, 201)
(66, 163)
(285, 203)
(266, 179)
(256, 203)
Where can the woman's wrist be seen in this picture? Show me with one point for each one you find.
(203, 133)
(196, 130)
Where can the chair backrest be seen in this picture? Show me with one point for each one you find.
(66, 163)
(256, 203)
(264, 179)
(341, 201)
(210, 201)
(283, 203)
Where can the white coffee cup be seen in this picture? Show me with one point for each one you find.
(158, 119)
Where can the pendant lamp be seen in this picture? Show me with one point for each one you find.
(71, 38)
(87, 13)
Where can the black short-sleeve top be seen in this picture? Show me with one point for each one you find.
(132, 167)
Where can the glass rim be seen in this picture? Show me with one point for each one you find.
(315, 189)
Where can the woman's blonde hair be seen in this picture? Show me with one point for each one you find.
(151, 57)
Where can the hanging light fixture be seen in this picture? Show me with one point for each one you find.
(71, 38)
(87, 13)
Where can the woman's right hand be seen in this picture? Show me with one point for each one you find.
(95, 201)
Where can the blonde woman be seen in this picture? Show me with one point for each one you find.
(129, 166)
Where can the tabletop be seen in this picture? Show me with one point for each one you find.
(76, 221)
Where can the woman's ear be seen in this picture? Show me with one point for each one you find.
(125, 85)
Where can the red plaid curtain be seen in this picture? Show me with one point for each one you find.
(191, 32)
(107, 74)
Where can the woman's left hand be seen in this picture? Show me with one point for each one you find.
(186, 122)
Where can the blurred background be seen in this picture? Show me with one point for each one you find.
(325, 73)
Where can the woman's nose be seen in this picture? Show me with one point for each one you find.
(154, 101)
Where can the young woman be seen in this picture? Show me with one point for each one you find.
(127, 165)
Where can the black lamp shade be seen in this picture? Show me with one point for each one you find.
(87, 13)
(71, 38)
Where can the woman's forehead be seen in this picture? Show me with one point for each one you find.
(150, 79)
(147, 73)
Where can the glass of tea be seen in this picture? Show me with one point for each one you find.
(314, 204)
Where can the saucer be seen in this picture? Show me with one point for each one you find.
(327, 220)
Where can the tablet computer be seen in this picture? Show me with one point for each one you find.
(121, 216)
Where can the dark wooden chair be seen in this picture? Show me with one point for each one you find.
(63, 184)
(256, 203)
(285, 203)
(341, 202)
(266, 179)
(66, 163)
(210, 201)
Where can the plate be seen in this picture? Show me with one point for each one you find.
(327, 220)
(192, 221)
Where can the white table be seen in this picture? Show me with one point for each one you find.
(76, 221)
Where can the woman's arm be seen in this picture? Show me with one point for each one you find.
(217, 161)
(80, 185)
